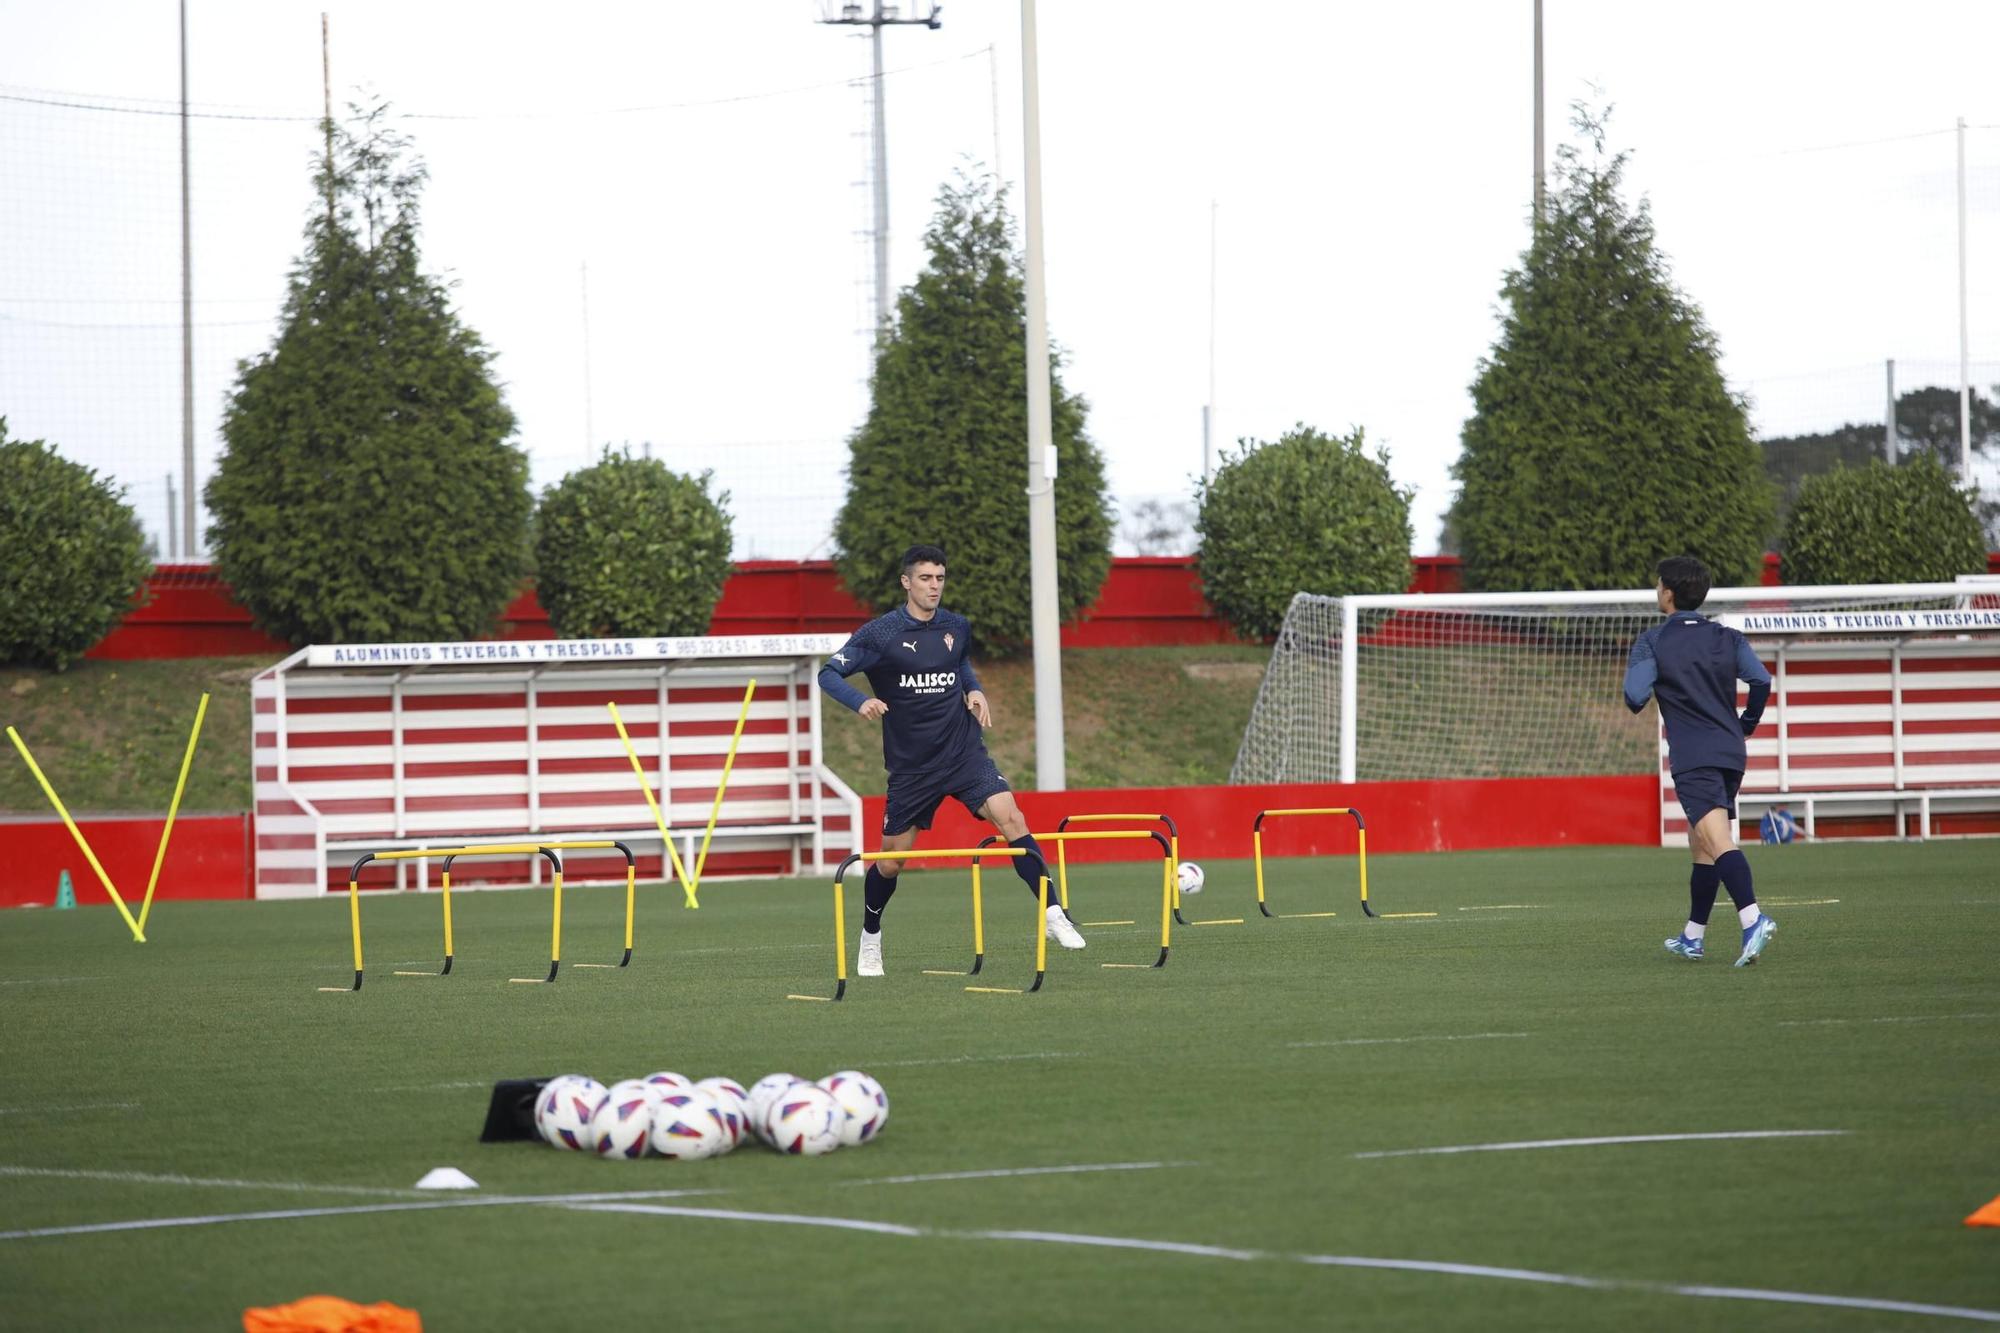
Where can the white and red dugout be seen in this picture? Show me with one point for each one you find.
(372, 747)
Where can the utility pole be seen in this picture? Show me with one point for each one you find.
(187, 315)
(886, 14)
(1051, 773)
(1540, 187)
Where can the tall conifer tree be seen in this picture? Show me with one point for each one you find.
(1603, 436)
(368, 489)
(943, 455)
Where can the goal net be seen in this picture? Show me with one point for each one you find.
(1476, 685)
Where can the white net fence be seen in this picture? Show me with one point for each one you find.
(1482, 686)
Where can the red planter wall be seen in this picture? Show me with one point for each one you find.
(209, 857)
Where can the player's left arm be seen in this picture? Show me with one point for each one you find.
(1642, 671)
(1752, 672)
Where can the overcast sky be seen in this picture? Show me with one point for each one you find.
(1370, 167)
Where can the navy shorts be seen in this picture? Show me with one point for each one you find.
(1704, 789)
(914, 800)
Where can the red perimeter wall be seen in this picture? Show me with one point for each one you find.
(210, 854)
(209, 857)
(1147, 600)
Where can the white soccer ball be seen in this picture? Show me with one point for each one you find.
(864, 1101)
(687, 1125)
(563, 1110)
(623, 1124)
(1191, 878)
(666, 1080)
(734, 1103)
(759, 1098)
(804, 1121)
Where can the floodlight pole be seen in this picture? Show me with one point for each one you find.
(187, 316)
(1050, 771)
(1964, 341)
(886, 15)
(1540, 187)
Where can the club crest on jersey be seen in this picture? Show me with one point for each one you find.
(948, 641)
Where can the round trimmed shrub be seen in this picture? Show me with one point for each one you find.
(1310, 513)
(1881, 524)
(627, 547)
(71, 553)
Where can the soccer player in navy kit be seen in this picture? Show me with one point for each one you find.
(1691, 665)
(932, 709)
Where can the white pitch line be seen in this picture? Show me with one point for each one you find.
(978, 1059)
(1606, 1140)
(45, 981)
(1504, 907)
(1397, 1041)
(1182, 1248)
(736, 1215)
(434, 1087)
(1913, 1018)
(202, 1182)
(85, 1106)
(1019, 1171)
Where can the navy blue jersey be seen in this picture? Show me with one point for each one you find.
(1691, 665)
(919, 669)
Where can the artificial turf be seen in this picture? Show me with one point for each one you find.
(1239, 1090)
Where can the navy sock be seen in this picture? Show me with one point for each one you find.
(875, 892)
(1734, 867)
(1702, 887)
(1031, 870)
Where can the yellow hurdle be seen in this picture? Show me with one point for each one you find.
(187, 761)
(1061, 839)
(673, 857)
(138, 933)
(1361, 847)
(1173, 849)
(978, 932)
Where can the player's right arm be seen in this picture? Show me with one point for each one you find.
(1752, 673)
(1642, 671)
(857, 654)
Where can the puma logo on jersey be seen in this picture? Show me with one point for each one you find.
(911, 646)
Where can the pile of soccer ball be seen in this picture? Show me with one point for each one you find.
(668, 1115)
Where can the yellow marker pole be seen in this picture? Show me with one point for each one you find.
(1062, 874)
(1042, 935)
(1257, 855)
(354, 915)
(978, 921)
(839, 939)
(646, 789)
(187, 761)
(137, 932)
(555, 928)
(1361, 845)
(1167, 907)
(631, 887)
(728, 763)
(448, 950)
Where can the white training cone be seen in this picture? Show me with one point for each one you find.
(446, 1178)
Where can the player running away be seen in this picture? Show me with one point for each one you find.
(931, 709)
(1691, 665)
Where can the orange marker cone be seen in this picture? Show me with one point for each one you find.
(1989, 1216)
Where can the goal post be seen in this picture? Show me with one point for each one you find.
(1474, 685)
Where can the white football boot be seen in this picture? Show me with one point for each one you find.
(869, 962)
(1061, 929)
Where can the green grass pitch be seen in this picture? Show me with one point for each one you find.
(1247, 1093)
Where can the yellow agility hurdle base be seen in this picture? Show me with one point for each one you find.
(1167, 878)
(1361, 844)
(1173, 849)
(451, 854)
(978, 930)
